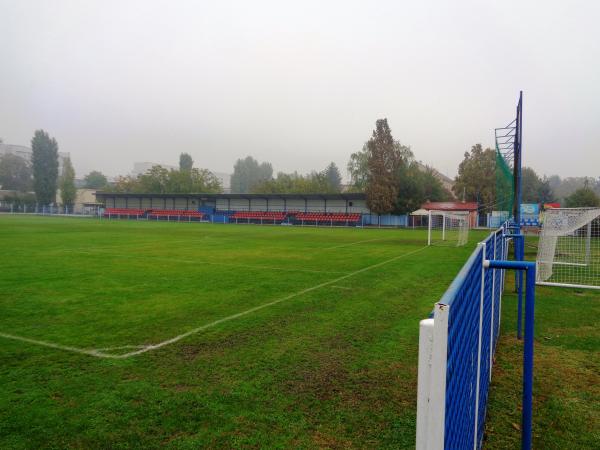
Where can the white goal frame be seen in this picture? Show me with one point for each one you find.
(569, 248)
(454, 220)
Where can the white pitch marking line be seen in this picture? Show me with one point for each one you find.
(122, 347)
(342, 287)
(353, 243)
(211, 324)
(68, 348)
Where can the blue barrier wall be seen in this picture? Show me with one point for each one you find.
(388, 220)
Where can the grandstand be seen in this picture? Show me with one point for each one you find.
(292, 209)
(215, 203)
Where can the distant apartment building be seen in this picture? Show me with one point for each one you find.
(25, 153)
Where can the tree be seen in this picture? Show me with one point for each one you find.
(358, 168)
(68, 191)
(546, 193)
(124, 184)
(185, 162)
(583, 197)
(247, 173)
(530, 185)
(384, 160)
(418, 185)
(15, 173)
(95, 180)
(196, 180)
(477, 177)
(161, 180)
(45, 167)
(293, 183)
(156, 180)
(333, 178)
(564, 187)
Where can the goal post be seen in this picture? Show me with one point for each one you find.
(447, 228)
(569, 248)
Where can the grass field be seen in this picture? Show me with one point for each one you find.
(125, 334)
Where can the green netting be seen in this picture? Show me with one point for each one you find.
(505, 193)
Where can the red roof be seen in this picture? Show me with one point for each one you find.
(450, 206)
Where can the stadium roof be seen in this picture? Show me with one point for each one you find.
(205, 196)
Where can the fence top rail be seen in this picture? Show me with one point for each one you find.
(458, 281)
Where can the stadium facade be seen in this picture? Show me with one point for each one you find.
(325, 203)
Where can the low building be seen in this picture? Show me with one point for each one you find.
(469, 207)
(342, 203)
(84, 199)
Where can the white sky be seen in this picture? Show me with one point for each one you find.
(300, 83)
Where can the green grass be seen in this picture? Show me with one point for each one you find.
(331, 367)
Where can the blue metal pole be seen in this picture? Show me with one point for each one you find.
(528, 359)
(527, 415)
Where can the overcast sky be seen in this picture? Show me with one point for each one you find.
(300, 83)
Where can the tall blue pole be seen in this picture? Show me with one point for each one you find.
(528, 359)
(527, 414)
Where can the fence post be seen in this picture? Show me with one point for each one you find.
(482, 246)
(429, 229)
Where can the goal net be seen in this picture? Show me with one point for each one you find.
(569, 248)
(448, 228)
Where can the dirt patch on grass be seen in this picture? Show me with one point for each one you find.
(323, 440)
(323, 379)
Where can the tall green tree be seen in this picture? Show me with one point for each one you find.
(384, 160)
(476, 177)
(155, 180)
(333, 178)
(546, 193)
(68, 191)
(531, 184)
(185, 162)
(15, 173)
(417, 185)
(582, 197)
(247, 173)
(358, 168)
(45, 167)
(95, 180)
(196, 180)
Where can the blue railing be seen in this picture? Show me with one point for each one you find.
(457, 346)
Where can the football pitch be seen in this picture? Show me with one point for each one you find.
(127, 334)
